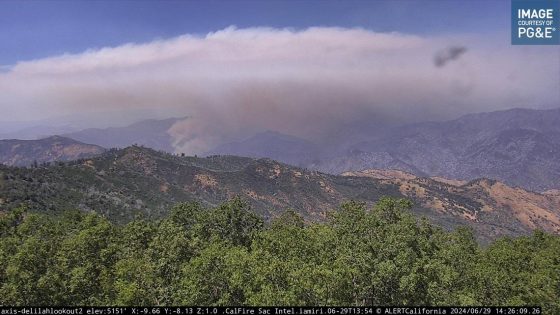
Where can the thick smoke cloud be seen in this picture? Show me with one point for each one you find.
(235, 82)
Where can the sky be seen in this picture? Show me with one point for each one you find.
(37, 29)
(240, 67)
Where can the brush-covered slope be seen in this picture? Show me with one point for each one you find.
(123, 184)
(133, 181)
(496, 205)
(56, 148)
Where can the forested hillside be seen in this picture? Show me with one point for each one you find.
(137, 182)
(227, 255)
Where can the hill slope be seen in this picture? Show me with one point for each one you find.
(123, 184)
(491, 202)
(56, 148)
(135, 180)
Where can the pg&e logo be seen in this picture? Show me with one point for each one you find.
(535, 22)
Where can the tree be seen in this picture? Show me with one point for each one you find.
(217, 276)
(232, 222)
(227, 256)
(84, 263)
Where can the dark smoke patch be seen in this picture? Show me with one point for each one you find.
(442, 57)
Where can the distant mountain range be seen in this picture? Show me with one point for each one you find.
(123, 184)
(520, 147)
(151, 133)
(56, 148)
(271, 144)
(36, 132)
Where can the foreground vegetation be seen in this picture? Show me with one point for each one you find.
(228, 256)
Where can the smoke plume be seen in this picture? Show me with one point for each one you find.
(235, 82)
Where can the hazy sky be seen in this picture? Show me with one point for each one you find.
(238, 67)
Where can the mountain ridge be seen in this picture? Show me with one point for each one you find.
(15, 152)
(150, 132)
(285, 148)
(520, 147)
(494, 196)
(135, 181)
